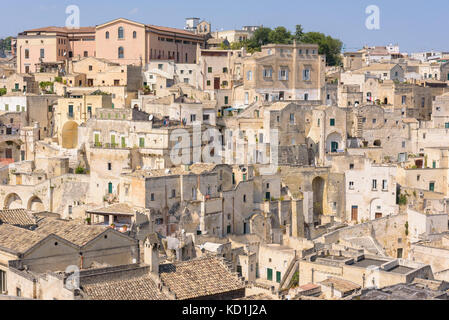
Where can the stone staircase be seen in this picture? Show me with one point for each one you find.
(359, 128)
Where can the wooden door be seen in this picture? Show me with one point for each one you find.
(355, 213)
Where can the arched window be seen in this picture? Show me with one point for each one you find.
(121, 53)
(120, 33)
(134, 34)
(107, 34)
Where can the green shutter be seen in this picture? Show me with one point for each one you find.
(142, 142)
(112, 140)
(97, 139)
(278, 276)
(123, 142)
(269, 274)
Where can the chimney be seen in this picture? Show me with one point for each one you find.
(151, 255)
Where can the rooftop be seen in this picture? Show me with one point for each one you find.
(17, 217)
(340, 284)
(199, 278)
(77, 233)
(18, 240)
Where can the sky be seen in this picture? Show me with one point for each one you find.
(414, 25)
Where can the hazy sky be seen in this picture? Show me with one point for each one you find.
(414, 25)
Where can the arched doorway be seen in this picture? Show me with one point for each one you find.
(376, 209)
(318, 199)
(13, 201)
(70, 135)
(35, 204)
(334, 143)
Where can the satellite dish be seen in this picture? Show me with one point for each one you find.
(151, 117)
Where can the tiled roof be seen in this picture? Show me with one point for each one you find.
(180, 31)
(199, 278)
(260, 296)
(137, 288)
(119, 208)
(17, 217)
(17, 239)
(77, 233)
(340, 284)
(64, 30)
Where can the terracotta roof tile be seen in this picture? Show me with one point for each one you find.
(199, 278)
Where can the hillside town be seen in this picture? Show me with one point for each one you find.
(145, 162)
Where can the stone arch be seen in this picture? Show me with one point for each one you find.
(334, 142)
(70, 135)
(376, 209)
(318, 188)
(35, 204)
(13, 201)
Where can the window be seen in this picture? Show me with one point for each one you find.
(267, 73)
(70, 209)
(432, 186)
(404, 99)
(107, 35)
(18, 292)
(351, 166)
(152, 197)
(244, 198)
(134, 35)
(446, 125)
(208, 83)
(225, 70)
(142, 142)
(249, 75)
(27, 54)
(306, 97)
(292, 118)
(403, 144)
(306, 75)
(86, 54)
(91, 68)
(121, 53)
(109, 166)
(418, 177)
(209, 69)
(351, 185)
(384, 185)
(332, 122)
(173, 193)
(192, 117)
(42, 53)
(374, 185)
(2, 282)
(374, 121)
(121, 32)
(283, 74)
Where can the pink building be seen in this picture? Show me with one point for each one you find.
(129, 42)
(122, 41)
(52, 45)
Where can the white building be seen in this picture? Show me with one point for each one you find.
(370, 192)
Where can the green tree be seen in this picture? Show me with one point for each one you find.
(260, 37)
(2, 91)
(327, 45)
(299, 33)
(224, 46)
(280, 35)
